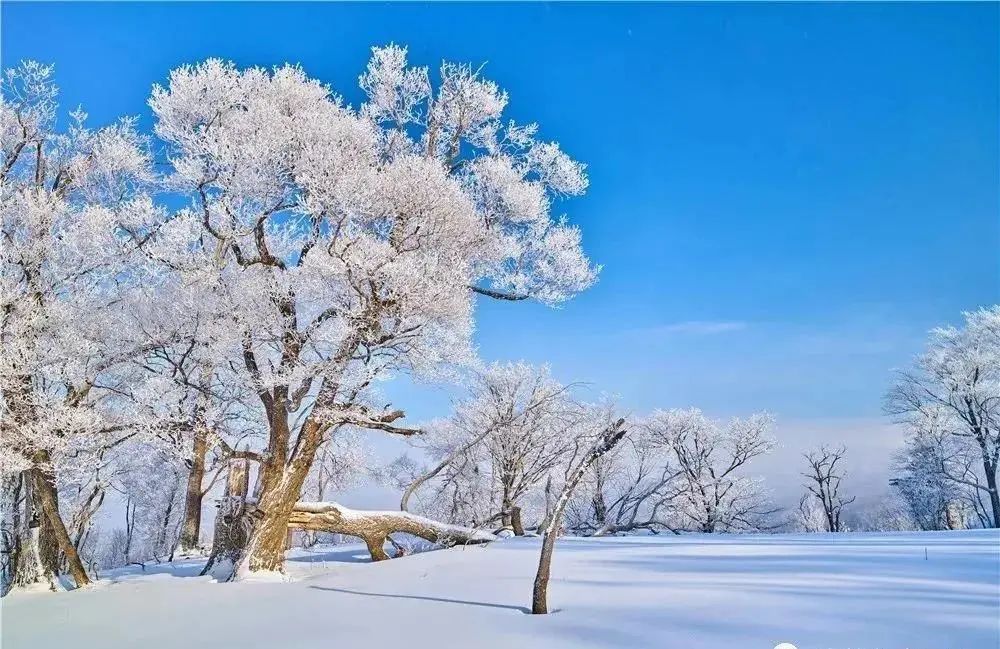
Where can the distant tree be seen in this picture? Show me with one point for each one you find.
(501, 443)
(823, 484)
(635, 486)
(810, 516)
(716, 494)
(954, 387)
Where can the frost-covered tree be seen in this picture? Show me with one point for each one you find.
(500, 444)
(810, 516)
(937, 477)
(632, 487)
(340, 246)
(65, 273)
(823, 483)
(955, 387)
(716, 494)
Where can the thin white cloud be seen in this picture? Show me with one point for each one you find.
(700, 327)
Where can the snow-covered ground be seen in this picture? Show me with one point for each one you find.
(863, 591)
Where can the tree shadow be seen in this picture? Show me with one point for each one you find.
(522, 609)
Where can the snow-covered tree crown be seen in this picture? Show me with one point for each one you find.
(65, 270)
(327, 232)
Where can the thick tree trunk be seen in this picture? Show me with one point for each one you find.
(515, 521)
(374, 527)
(191, 529)
(266, 550)
(232, 523)
(600, 506)
(45, 490)
(281, 487)
(35, 558)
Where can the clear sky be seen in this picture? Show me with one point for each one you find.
(784, 198)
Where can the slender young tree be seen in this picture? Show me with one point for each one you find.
(588, 449)
(824, 478)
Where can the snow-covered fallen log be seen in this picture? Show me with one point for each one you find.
(374, 527)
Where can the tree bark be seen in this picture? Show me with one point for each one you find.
(281, 487)
(232, 522)
(44, 488)
(607, 441)
(374, 527)
(191, 530)
(515, 521)
(991, 486)
(31, 563)
(540, 593)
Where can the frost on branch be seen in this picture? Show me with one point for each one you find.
(512, 430)
(716, 494)
(374, 527)
(334, 247)
(950, 402)
(66, 274)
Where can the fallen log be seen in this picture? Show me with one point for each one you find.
(374, 527)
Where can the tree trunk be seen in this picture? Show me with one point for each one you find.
(505, 518)
(231, 522)
(374, 527)
(548, 504)
(607, 441)
(281, 487)
(515, 521)
(991, 485)
(540, 593)
(35, 556)
(600, 506)
(191, 530)
(36, 559)
(44, 488)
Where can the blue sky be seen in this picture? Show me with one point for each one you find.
(785, 198)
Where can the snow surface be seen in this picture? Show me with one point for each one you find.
(858, 591)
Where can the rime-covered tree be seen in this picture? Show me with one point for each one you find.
(716, 493)
(634, 486)
(341, 246)
(500, 444)
(938, 478)
(955, 386)
(65, 273)
(823, 484)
